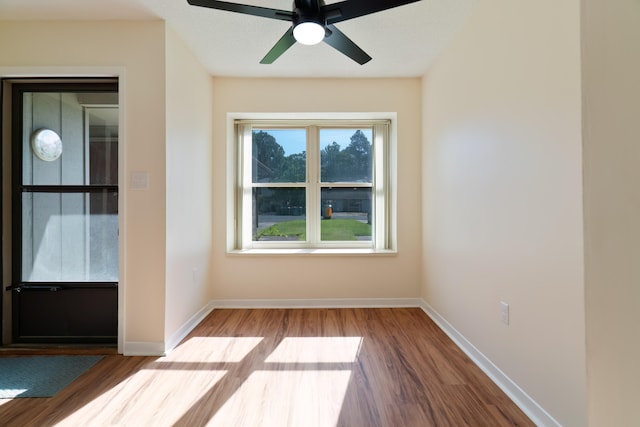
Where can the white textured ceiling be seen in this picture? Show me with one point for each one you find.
(402, 41)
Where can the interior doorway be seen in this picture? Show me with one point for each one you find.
(60, 269)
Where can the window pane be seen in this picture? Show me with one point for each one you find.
(69, 237)
(346, 214)
(345, 155)
(279, 214)
(279, 155)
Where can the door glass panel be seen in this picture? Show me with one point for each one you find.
(89, 135)
(69, 227)
(69, 237)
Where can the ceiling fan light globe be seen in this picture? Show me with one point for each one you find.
(308, 33)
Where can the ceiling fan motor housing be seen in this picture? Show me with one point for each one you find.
(309, 23)
(308, 11)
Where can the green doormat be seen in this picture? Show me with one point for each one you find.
(40, 376)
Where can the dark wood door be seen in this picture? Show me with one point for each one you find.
(65, 212)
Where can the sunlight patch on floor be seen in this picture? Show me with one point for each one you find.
(305, 398)
(12, 392)
(316, 350)
(165, 389)
(214, 349)
(309, 395)
(150, 397)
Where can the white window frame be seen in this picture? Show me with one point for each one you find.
(240, 186)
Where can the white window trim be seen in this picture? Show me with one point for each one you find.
(385, 229)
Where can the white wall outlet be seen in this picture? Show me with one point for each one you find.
(504, 312)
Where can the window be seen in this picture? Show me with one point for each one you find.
(313, 184)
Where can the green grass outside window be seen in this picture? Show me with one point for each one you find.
(330, 230)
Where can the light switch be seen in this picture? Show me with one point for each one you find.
(139, 180)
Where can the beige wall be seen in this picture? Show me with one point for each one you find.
(136, 52)
(189, 204)
(503, 195)
(611, 117)
(313, 276)
(498, 186)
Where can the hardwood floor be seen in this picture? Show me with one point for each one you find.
(312, 367)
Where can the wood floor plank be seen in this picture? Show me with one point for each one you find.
(313, 367)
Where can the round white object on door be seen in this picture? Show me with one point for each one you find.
(46, 144)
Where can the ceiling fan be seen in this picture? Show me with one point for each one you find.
(312, 22)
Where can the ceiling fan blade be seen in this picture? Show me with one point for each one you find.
(265, 12)
(349, 9)
(342, 43)
(285, 42)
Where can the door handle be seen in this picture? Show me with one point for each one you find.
(20, 288)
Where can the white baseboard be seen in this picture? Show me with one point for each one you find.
(530, 407)
(187, 327)
(317, 303)
(143, 348)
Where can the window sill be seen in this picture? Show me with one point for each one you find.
(312, 252)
